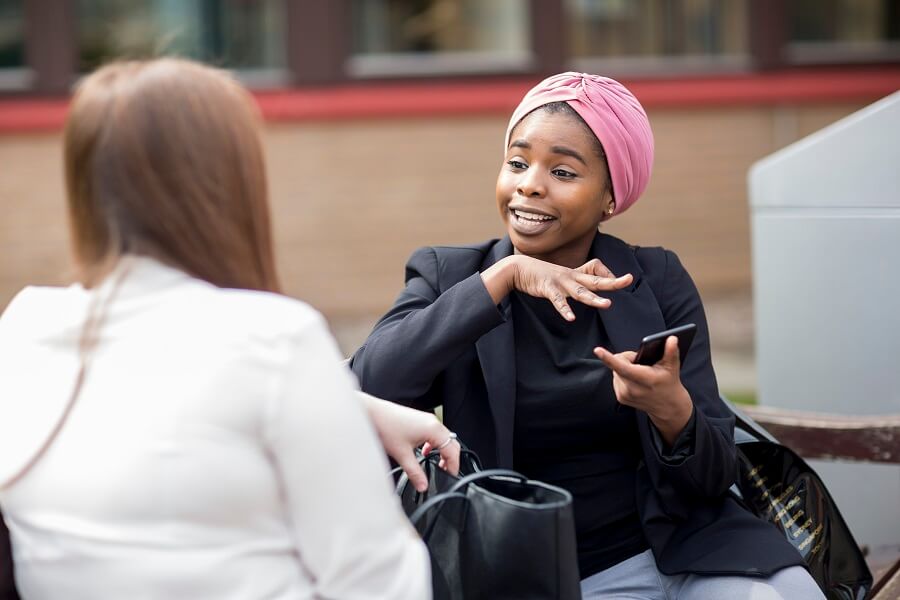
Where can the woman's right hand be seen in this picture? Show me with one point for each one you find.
(403, 429)
(556, 283)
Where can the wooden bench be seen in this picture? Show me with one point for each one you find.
(826, 436)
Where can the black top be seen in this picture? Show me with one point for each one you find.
(568, 431)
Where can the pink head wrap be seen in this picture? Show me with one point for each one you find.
(616, 118)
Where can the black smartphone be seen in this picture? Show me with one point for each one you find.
(654, 346)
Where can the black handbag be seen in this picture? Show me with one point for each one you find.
(7, 582)
(497, 535)
(780, 487)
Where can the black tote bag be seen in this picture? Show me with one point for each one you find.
(497, 535)
(7, 583)
(779, 486)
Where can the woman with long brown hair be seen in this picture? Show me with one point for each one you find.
(171, 426)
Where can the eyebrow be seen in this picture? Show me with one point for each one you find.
(554, 149)
(568, 152)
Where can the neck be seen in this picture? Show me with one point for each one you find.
(572, 256)
(92, 275)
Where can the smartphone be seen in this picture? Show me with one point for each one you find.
(654, 346)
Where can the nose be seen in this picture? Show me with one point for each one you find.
(531, 184)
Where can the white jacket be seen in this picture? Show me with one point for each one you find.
(217, 450)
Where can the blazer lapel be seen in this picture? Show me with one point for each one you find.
(635, 311)
(496, 353)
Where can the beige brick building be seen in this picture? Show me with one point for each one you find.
(351, 199)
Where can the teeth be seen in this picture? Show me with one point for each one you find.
(531, 216)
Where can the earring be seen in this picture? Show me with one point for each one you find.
(610, 209)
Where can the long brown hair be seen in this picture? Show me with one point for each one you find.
(163, 158)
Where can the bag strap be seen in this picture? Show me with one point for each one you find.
(454, 494)
(465, 481)
(433, 458)
(87, 342)
(403, 478)
(429, 504)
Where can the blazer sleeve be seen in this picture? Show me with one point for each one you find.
(348, 524)
(706, 467)
(424, 331)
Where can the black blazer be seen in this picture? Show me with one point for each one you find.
(444, 342)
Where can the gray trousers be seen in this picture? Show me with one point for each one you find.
(638, 579)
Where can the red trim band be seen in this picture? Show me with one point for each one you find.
(445, 97)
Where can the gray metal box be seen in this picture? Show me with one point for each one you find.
(825, 222)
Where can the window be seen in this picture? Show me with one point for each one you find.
(843, 30)
(46, 44)
(655, 35)
(418, 37)
(13, 73)
(245, 35)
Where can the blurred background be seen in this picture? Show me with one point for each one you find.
(384, 122)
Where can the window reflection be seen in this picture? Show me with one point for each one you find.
(237, 34)
(396, 36)
(12, 34)
(657, 30)
(826, 30)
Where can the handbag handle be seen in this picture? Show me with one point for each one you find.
(465, 481)
(428, 505)
(474, 464)
(455, 494)
(474, 460)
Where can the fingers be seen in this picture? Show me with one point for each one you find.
(629, 355)
(601, 284)
(630, 381)
(437, 440)
(578, 290)
(653, 389)
(618, 283)
(622, 365)
(603, 278)
(450, 457)
(671, 359)
(605, 284)
(558, 299)
(412, 468)
(557, 283)
(579, 287)
(595, 267)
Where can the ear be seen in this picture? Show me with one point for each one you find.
(609, 207)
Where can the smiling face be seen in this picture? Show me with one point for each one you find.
(553, 188)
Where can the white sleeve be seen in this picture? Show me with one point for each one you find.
(350, 529)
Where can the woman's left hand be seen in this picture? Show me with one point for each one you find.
(656, 389)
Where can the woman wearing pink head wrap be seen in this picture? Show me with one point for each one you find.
(647, 451)
(614, 116)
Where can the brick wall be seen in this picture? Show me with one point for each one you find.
(352, 199)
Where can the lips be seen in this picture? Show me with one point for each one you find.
(529, 222)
